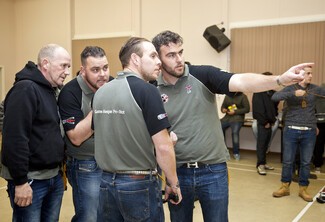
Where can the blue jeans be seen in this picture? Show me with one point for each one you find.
(293, 140)
(210, 185)
(235, 128)
(125, 197)
(47, 199)
(84, 176)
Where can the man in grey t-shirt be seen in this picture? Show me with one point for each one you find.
(131, 137)
(188, 93)
(83, 172)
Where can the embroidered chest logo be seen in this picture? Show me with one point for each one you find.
(164, 98)
(188, 89)
(70, 120)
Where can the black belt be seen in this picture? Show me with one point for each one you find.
(194, 165)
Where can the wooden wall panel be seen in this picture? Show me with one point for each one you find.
(276, 48)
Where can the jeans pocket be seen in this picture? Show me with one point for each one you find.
(134, 204)
(88, 166)
(218, 168)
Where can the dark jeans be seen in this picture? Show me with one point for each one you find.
(294, 140)
(263, 140)
(84, 177)
(235, 128)
(47, 199)
(125, 197)
(319, 146)
(210, 185)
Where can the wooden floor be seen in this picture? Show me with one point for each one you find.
(250, 197)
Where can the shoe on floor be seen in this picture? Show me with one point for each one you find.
(304, 194)
(237, 157)
(283, 191)
(261, 170)
(317, 170)
(267, 167)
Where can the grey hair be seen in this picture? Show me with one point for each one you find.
(47, 51)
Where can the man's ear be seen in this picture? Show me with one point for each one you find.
(82, 70)
(45, 64)
(135, 59)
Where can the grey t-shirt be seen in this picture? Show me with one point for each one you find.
(192, 111)
(127, 113)
(74, 105)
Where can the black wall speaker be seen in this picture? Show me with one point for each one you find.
(216, 38)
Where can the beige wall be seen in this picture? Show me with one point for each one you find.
(29, 24)
(104, 17)
(149, 17)
(39, 22)
(189, 18)
(7, 42)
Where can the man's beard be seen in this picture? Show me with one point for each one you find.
(92, 84)
(172, 72)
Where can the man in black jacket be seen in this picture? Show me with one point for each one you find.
(32, 145)
(318, 159)
(1, 115)
(265, 111)
(1, 123)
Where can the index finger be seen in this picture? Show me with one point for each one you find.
(297, 68)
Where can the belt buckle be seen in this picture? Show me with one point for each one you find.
(192, 165)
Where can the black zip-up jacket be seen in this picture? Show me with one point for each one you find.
(31, 137)
(264, 109)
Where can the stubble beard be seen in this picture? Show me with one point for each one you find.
(173, 73)
(94, 85)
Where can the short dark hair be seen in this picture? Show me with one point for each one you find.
(166, 37)
(267, 73)
(133, 45)
(93, 51)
